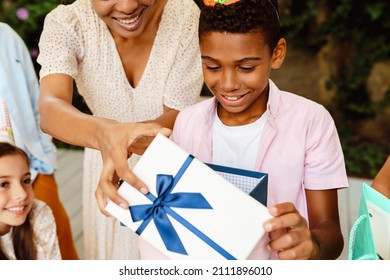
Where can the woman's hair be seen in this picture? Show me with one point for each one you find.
(22, 236)
(244, 16)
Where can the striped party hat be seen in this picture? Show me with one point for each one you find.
(6, 134)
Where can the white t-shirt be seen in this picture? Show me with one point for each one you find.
(237, 146)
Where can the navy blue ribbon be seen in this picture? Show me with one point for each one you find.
(162, 206)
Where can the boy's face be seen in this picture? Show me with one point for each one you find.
(16, 193)
(236, 69)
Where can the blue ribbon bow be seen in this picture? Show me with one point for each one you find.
(162, 206)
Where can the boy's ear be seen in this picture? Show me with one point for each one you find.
(279, 54)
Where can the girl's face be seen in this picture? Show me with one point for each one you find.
(16, 193)
(236, 69)
(126, 18)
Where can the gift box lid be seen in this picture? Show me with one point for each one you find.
(251, 182)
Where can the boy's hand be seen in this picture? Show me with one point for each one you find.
(289, 234)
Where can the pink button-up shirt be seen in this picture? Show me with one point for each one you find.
(299, 149)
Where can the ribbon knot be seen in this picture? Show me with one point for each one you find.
(162, 206)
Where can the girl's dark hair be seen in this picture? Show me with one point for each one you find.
(243, 16)
(22, 236)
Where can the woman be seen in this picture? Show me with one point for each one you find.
(133, 61)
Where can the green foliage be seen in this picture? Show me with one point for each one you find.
(359, 33)
(26, 18)
(363, 157)
(360, 30)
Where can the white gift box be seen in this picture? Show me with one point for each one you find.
(210, 217)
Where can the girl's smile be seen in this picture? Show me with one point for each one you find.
(17, 210)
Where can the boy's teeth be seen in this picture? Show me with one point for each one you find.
(232, 98)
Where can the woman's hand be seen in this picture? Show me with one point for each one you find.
(167, 119)
(140, 144)
(117, 143)
(289, 234)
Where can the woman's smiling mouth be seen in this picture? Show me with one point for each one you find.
(129, 22)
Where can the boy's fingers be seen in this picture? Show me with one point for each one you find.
(281, 209)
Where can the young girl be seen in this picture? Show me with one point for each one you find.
(20, 95)
(252, 124)
(27, 227)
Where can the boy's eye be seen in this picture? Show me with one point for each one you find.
(247, 68)
(3, 184)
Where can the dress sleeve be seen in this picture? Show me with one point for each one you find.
(60, 45)
(45, 232)
(185, 80)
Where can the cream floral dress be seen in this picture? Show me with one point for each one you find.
(45, 236)
(76, 42)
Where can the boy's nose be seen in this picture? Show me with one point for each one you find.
(229, 81)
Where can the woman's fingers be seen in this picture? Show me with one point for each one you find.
(115, 165)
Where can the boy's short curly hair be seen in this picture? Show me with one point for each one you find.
(244, 16)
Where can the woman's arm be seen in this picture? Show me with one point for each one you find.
(61, 119)
(113, 139)
(168, 118)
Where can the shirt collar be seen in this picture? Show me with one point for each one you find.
(273, 99)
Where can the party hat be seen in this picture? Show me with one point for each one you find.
(212, 3)
(6, 134)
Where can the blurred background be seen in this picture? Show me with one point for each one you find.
(338, 55)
